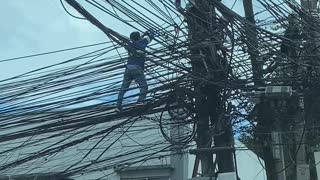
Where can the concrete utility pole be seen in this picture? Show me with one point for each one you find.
(210, 108)
(276, 161)
(296, 166)
(309, 5)
(251, 36)
(312, 90)
(197, 33)
(295, 171)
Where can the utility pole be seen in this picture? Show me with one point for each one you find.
(291, 110)
(211, 109)
(299, 170)
(252, 42)
(312, 90)
(309, 5)
(198, 33)
(280, 108)
(251, 36)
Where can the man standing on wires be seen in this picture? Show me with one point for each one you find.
(135, 67)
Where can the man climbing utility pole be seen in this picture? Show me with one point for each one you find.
(136, 55)
(134, 69)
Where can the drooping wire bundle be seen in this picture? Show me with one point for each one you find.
(64, 112)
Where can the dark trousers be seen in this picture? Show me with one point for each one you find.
(133, 72)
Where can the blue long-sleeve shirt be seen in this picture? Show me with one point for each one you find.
(137, 56)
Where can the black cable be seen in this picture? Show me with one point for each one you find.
(65, 9)
(53, 52)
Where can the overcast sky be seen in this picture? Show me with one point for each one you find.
(36, 26)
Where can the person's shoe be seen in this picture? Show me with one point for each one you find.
(118, 110)
(140, 103)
